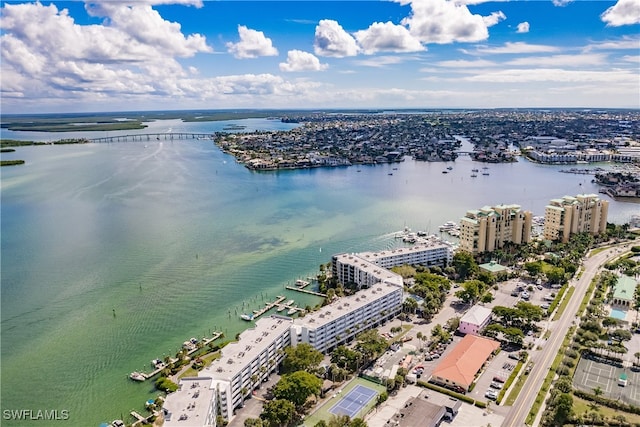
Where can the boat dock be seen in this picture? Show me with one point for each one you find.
(268, 306)
(140, 419)
(306, 291)
(143, 376)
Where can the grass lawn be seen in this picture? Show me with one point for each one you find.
(322, 413)
(207, 359)
(581, 406)
(564, 303)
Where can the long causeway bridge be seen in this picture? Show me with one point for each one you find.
(167, 136)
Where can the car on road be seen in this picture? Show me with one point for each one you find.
(491, 394)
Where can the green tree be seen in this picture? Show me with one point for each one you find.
(564, 384)
(556, 275)
(278, 413)
(563, 408)
(302, 357)
(533, 268)
(253, 422)
(344, 357)
(297, 387)
(465, 265)
(357, 422)
(486, 298)
(339, 421)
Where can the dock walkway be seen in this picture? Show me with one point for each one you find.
(306, 291)
(205, 342)
(268, 306)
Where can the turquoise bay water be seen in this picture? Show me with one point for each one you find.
(179, 239)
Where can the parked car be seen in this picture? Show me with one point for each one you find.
(539, 287)
(498, 379)
(556, 286)
(544, 306)
(524, 295)
(514, 356)
(491, 394)
(496, 385)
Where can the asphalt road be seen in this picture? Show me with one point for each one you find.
(543, 359)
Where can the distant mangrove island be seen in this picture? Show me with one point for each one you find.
(123, 120)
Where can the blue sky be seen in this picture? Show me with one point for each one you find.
(193, 54)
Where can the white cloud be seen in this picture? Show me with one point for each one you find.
(560, 60)
(494, 18)
(561, 3)
(382, 61)
(252, 44)
(387, 37)
(298, 60)
(631, 58)
(624, 12)
(444, 21)
(462, 63)
(518, 47)
(523, 27)
(46, 54)
(332, 40)
(554, 75)
(622, 44)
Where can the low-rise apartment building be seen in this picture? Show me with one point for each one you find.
(241, 367)
(368, 268)
(489, 228)
(344, 318)
(584, 213)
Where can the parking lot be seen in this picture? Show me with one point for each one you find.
(500, 366)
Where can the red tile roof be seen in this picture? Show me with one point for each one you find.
(465, 360)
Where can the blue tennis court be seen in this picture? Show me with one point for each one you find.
(354, 401)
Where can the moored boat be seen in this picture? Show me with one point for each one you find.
(247, 317)
(137, 376)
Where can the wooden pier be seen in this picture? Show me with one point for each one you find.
(205, 342)
(268, 306)
(140, 419)
(306, 291)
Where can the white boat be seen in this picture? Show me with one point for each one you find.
(280, 308)
(137, 376)
(289, 302)
(292, 310)
(247, 317)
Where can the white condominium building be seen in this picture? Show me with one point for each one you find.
(343, 319)
(434, 253)
(584, 213)
(240, 369)
(369, 268)
(489, 228)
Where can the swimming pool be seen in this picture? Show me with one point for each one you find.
(616, 313)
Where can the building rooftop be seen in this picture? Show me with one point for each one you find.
(344, 305)
(238, 355)
(465, 360)
(625, 288)
(418, 411)
(493, 267)
(476, 315)
(382, 274)
(190, 404)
